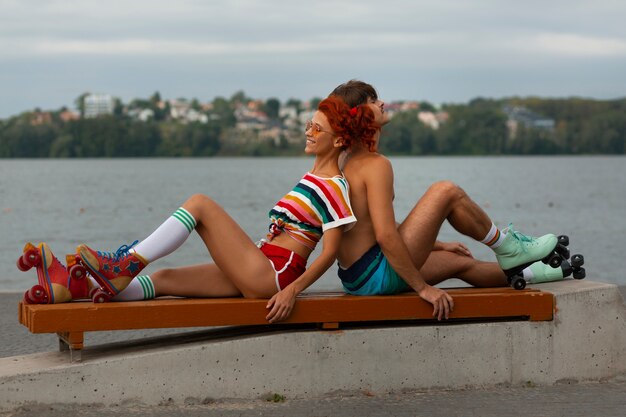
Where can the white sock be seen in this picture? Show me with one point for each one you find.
(168, 237)
(527, 273)
(140, 288)
(494, 238)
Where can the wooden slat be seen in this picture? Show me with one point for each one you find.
(470, 303)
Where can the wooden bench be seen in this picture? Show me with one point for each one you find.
(329, 310)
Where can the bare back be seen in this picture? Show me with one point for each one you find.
(362, 236)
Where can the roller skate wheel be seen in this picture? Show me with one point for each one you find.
(580, 273)
(578, 260)
(518, 283)
(100, 296)
(77, 272)
(21, 265)
(567, 269)
(92, 292)
(36, 295)
(554, 260)
(31, 258)
(562, 251)
(564, 240)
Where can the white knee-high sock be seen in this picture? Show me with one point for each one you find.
(168, 237)
(494, 238)
(140, 288)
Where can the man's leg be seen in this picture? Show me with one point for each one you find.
(441, 265)
(443, 200)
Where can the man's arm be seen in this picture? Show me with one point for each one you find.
(455, 247)
(379, 185)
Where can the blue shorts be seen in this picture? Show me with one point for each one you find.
(372, 275)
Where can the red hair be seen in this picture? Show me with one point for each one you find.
(353, 125)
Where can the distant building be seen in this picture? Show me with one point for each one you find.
(40, 118)
(433, 120)
(305, 115)
(289, 116)
(68, 116)
(519, 115)
(250, 117)
(429, 119)
(98, 105)
(182, 111)
(288, 112)
(179, 109)
(141, 114)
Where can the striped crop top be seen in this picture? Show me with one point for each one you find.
(315, 205)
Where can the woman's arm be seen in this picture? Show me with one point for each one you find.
(281, 304)
(379, 185)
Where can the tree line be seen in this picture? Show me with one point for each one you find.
(480, 127)
(581, 126)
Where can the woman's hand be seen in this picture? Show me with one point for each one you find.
(455, 247)
(281, 304)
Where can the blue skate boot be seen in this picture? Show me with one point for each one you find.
(519, 251)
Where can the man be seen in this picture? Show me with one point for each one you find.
(379, 257)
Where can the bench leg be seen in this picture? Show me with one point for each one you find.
(72, 341)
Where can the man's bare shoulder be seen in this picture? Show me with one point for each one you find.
(370, 161)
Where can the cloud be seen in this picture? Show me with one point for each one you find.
(574, 45)
(449, 48)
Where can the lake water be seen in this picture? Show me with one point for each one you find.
(109, 202)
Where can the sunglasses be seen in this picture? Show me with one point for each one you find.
(315, 128)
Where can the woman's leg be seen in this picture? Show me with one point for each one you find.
(232, 250)
(234, 253)
(205, 280)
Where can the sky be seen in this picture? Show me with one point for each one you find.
(441, 51)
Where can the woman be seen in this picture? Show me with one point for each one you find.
(318, 208)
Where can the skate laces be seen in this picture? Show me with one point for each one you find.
(520, 237)
(121, 252)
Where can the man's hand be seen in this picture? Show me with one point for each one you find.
(441, 301)
(456, 247)
(281, 304)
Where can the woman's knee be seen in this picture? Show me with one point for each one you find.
(198, 203)
(198, 200)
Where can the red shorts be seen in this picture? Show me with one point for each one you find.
(287, 264)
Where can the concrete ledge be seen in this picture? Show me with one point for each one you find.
(586, 341)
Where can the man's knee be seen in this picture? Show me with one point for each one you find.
(446, 188)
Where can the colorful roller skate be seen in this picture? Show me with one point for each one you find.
(545, 273)
(56, 283)
(519, 251)
(112, 270)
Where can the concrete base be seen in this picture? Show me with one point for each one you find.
(586, 341)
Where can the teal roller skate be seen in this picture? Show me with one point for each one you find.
(519, 251)
(540, 272)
